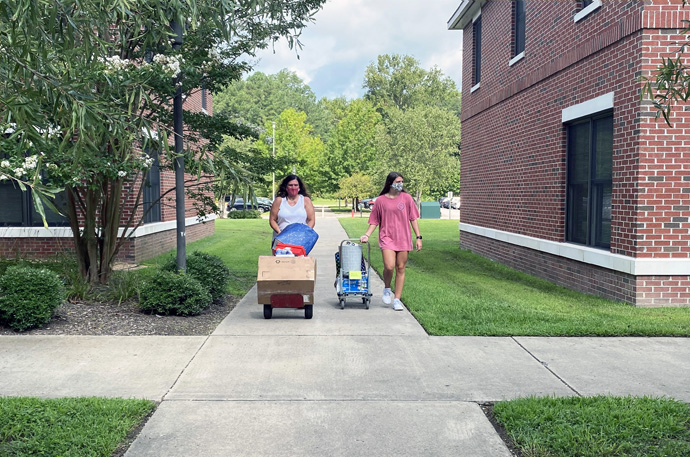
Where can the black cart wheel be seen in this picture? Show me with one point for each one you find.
(268, 311)
(367, 302)
(342, 303)
(308, 311)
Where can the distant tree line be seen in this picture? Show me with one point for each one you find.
(408, 120)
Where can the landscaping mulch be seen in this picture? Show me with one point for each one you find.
(125, 319)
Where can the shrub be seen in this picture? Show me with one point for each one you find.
(171, 293)
(244, 214)
(206, 268)
(29, 296)
(124, 285)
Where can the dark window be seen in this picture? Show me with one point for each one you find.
(518, 27)
(17, 208)
(203, 98)
(586, 3)
(477, 51)
(590, 164)
(152, 193)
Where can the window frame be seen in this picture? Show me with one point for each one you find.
(586, 10)
(476, 52)
(519, 28)
(151, 204)
(596, 186)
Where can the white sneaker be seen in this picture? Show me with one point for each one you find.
(397, 305)
(387, 296)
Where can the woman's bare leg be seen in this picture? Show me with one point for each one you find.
(389, 261)
(400, 263)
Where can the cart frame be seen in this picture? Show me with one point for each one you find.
(365, 293)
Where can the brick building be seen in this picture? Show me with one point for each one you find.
(566, 174)
(22, 233)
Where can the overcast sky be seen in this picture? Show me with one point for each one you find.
(348, 35)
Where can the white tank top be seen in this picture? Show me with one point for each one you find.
(291, 214)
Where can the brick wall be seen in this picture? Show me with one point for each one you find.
(513, 170)
(133, 251)
(34, 248)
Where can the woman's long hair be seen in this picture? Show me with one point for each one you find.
(389, 180)
(282, 188)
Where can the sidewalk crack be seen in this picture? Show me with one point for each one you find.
(546, 365)
(164, 398)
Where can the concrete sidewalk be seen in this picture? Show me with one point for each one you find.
(349, 382)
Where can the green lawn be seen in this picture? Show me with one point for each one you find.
(68, 427)
(454, 292)
(597, 426)
(239, 242)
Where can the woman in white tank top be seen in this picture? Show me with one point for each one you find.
(291, 205)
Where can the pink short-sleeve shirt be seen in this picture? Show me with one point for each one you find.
(393, 216)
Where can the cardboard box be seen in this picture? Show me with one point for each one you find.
(286, 275)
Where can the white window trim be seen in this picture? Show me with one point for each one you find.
(516, 59)
(66, 232)
(475, 87)
(583, 13)
(586, 254)
(593, 106)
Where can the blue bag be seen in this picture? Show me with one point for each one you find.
(299, 235)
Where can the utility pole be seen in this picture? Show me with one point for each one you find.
(179, 157)
(274, 159)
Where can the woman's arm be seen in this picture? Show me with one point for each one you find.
(415, 228)
(365, 238)
(273, 215)
(311, 216)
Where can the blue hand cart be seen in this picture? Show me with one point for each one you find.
(353, 272)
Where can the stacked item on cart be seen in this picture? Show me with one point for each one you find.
(287, 279)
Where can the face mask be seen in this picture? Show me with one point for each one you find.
(397, 186)
(292, 191)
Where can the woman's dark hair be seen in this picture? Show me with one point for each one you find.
(282, 188)
(389, 180)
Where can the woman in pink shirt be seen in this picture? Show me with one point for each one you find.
(394, 212)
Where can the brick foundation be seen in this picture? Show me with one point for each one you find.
(135, 251)
(642, 291)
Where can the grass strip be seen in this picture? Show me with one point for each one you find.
(239, 243)
(68, 427)
(455, 292)
(596, 426)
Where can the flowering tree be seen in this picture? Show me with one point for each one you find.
(85, 90)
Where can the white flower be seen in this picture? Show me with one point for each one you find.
(3, 178)
(11, 129)
(5, 164)
(122, 174)
(18, 172)
(30, 162)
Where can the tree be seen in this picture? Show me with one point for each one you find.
(670, 83)
(85, 87)
(422, 144)
(397, 81)
(356, 186)
(352, 146)
(261, 98)
(296, 148)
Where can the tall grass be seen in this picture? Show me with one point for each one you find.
(454, 292)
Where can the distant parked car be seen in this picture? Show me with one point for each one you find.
(366, 203)
(444, 202)
(262, 205)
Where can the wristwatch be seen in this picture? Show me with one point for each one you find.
(419, 237)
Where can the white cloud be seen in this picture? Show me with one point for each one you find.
(350, 34)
